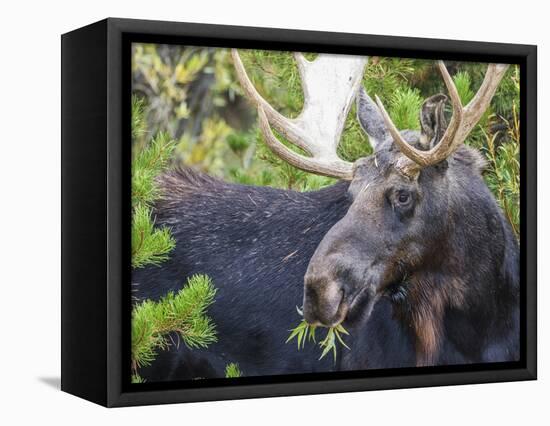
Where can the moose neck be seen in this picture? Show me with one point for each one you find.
(472, 277)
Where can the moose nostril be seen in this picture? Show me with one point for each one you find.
(322, 303)
(310, 304)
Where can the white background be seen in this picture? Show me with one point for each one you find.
(30, 211)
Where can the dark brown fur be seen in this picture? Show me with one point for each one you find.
(445, 255)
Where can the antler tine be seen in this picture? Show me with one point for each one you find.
(329, 83)
(282, 124)
(462, 121)
(480, 102)
(336, 168)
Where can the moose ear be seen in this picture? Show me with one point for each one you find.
(432, 120)
(370, 119)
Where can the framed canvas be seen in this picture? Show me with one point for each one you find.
(253, 212)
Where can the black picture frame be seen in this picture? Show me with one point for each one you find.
(96, 210)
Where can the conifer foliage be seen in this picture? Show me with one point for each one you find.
(178, 317)
(232, 371)
(150, 245)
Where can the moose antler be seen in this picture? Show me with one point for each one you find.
(462, 121)
(330, 84)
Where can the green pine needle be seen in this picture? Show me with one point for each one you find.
(136, 378)
(405, 107)
(463, 83)
(305, 332)
(150, 245)
(232, 370)
(147, 164)
(138, 119)
(182, 313)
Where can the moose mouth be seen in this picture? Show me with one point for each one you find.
(358, 306)
(362, 304)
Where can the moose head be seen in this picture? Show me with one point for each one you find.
(410, 200)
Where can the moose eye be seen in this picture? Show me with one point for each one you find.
(403, 197)
(402, 202)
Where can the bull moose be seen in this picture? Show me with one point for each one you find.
(409, 251)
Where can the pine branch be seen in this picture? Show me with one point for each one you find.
(232, 370)
(138, 120)
(146, 166)
(183, 313)
(405, 104)
(150, 245)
